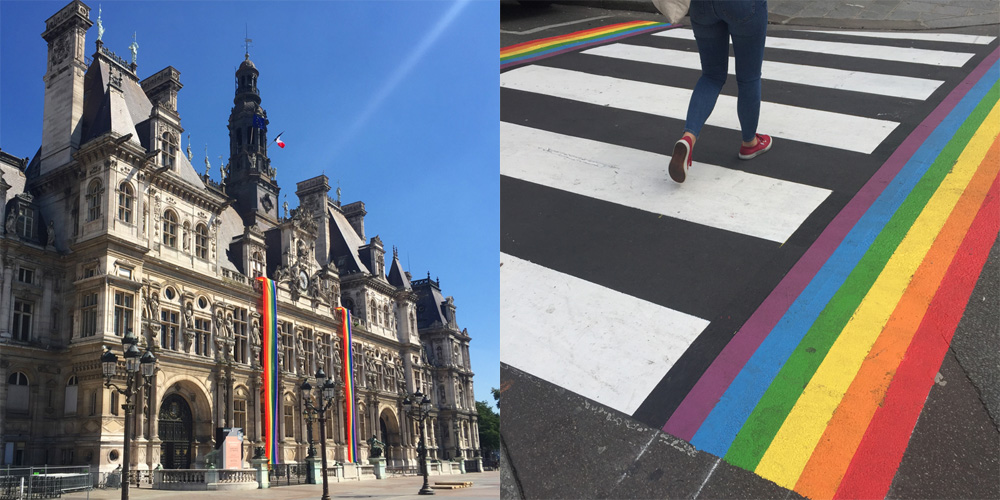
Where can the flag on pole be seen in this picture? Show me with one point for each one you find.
(350, 413)
(258, 122)
(281, 144)
(271, 395)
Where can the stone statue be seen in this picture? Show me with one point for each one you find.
(100, 25)
(376, 447)
(188, 317)
(12, 220)
(51, 237)
(229, 326)
(255, 334)
(134, 49)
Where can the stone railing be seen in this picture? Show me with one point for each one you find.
(205, 479)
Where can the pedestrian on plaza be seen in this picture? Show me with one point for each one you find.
(713, 23)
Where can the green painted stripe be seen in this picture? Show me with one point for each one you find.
(760, 428)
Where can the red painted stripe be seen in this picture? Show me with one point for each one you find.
(881, 451)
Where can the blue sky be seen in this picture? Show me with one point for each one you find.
(397, 102)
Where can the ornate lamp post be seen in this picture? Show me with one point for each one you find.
(419, 408)
(133, 361)
(324, 400)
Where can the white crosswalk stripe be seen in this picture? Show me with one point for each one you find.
(883, 52)
(718, 197)
(574, 317)
(857, 81)
(824, 128)
(926, 37)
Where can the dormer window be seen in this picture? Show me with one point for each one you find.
(168, 146)
(256, 265)
(26, 222)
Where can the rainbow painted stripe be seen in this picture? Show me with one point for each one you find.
(820, 390)
(271, 394)
(350, 410)
(537, 49)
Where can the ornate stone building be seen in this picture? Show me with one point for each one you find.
(109, 228)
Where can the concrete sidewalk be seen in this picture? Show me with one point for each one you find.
(856, 14)
(484, 485)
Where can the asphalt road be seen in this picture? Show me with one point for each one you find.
(560, 444)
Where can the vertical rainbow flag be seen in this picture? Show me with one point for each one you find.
(350, 413)
(269, 362)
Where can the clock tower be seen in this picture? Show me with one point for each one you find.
(250, 179)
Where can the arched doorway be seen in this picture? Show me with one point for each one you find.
(175, 432)
(389, 430)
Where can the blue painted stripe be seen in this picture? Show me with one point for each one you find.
(719, 429)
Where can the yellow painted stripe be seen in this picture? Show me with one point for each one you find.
(788, 453)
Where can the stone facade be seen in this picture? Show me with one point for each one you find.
(110, 229)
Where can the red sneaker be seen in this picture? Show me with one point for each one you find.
(681, 161)
(762, 146)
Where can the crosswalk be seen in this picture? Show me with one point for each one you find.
(622, 286)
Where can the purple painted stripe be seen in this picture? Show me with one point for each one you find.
(698, 403)
(588, 45)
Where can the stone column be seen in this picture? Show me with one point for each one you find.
(8, 276)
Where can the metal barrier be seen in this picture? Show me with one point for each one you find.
(287, 474)
(43, 482)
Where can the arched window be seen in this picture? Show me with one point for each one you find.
(240, 409)
(170, 229)
(168, 144)
(256, 265)
(17, 392)
(71, 394)
(94, 200)
(201, 241)
(126, 200)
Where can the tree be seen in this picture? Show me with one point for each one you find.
(496, 395)
(489, 430)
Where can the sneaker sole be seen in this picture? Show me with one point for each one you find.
(757, 153)
(677, 162)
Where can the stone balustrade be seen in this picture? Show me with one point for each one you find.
(205, 479)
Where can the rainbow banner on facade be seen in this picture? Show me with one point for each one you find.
(526, 52)
(350, 410)
(269, 362)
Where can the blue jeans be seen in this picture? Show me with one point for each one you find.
(714, 22)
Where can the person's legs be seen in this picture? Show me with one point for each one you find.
(713, 48)
(747, 21)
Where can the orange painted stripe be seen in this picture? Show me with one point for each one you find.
(829, 461)
(534, 44)
(877, 460)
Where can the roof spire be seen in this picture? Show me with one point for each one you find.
(208, 166)
(246, 41)
(189, 147)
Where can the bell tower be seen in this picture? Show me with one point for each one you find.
(250, 180)
(65, 33)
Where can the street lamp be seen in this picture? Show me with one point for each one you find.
(324, 396)
(419, 408)
(134, 361)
